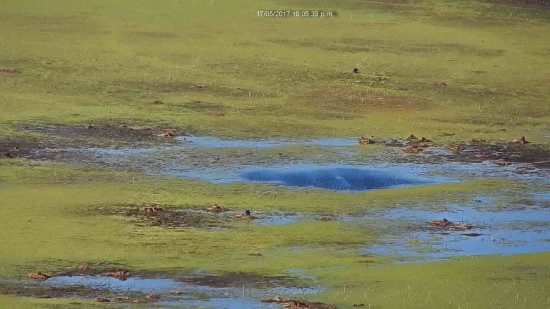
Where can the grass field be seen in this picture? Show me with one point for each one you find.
(447, 70)
(108, 61)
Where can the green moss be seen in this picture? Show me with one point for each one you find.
(108, 62)
(476, 282)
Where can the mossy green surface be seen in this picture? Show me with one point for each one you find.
(519, 281)
(107, 61)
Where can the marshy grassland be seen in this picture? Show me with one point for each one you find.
(107, 62)
(88, 86)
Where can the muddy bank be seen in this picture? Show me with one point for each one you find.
(238, 280)
(175, 218)
(226, 290)
(66, 136)
(18, 147)
(537, 155)
(477, 150)
(215, 142)
(232, 160)
(209, 218)
(296, 304)
(167, 216)
(151, 149)
(38, 291)
(120, 134)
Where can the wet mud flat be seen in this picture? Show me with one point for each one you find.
(308, 162)
(169, 217)
(535, 155)
(406, 234)
(229, 290)
(175, 217)
(58, 136)
(214, 217)
(159, 151)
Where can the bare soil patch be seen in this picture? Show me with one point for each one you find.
(537, 155)
(118, 133)
(170, 217)
(296, 304)
(239, 279)
(67, 136)
(9, 71)
(70, 291)
(85, 270)
(17, 147)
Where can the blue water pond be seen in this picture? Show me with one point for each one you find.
(337, 177)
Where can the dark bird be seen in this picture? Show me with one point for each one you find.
(355, 70)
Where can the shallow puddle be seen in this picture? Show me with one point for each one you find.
(502, 229)
(246, 295)
(494, 231)
(330, 163)
(341, 176)
(214, 142)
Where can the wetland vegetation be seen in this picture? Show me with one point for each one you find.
(190, 154)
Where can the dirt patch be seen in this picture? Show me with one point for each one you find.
(213, 217)
(114, 272)
(119, 133)
(69, 291)
(537, 155)
(155, 215)
(76, 291)
(65, 136)
(9, 71)
(360, 101)
(409, 144)
(17, 147)
(239, 279)
(296, 304)
(412, 149)
(202, 106)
